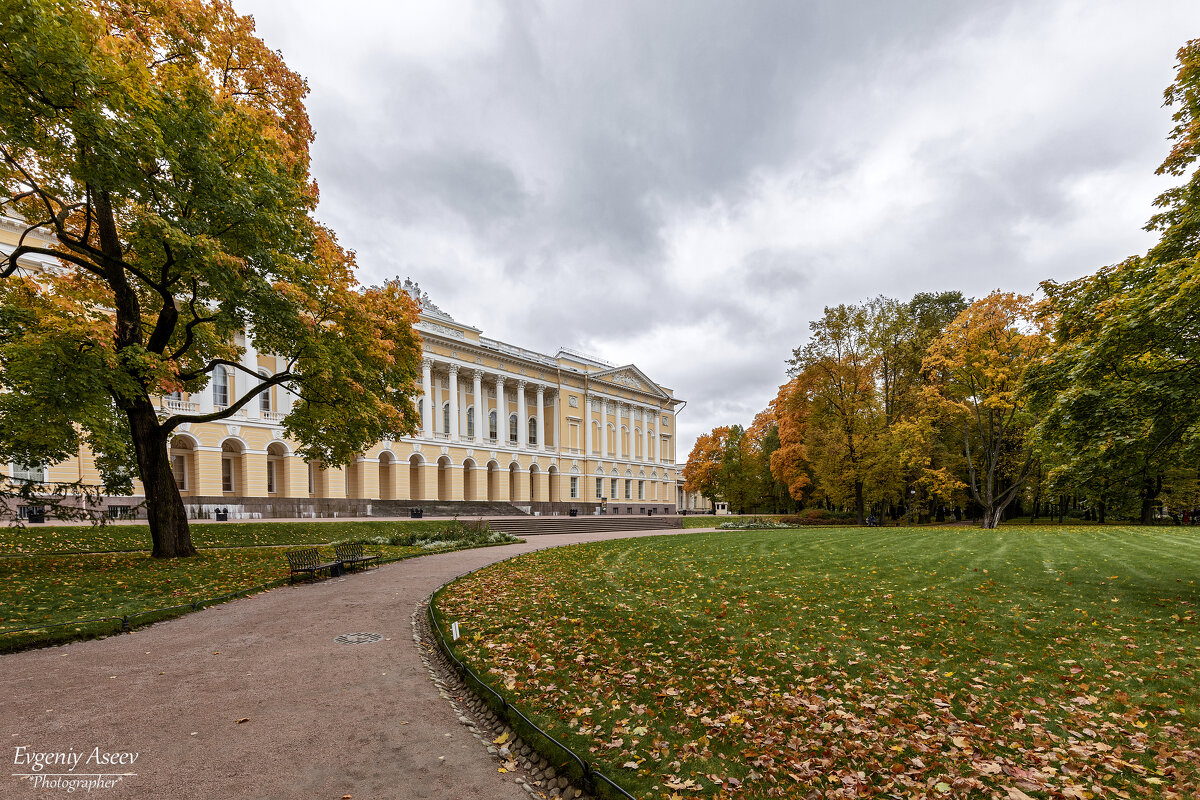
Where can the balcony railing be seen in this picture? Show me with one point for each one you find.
(274, 416)
(179, 405)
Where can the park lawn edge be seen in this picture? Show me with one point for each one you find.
(18, 640)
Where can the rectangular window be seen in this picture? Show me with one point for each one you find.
(220, 388)
(599, 488)
(179, 470)
(24, 472)
(614, 489)
(641, 490)
(628, 489)
(264, 401)
(271, 477)
(312, 479)
(573, 436)
(574, 488)
(226, 474)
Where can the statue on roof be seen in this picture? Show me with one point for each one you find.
(422, 298)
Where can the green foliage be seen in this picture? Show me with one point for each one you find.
(1049, 662)
(159, 150)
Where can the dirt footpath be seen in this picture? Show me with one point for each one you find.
(255, 699)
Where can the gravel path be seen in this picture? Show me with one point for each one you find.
(254, 698)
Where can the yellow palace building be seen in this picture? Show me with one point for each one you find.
(500, 424)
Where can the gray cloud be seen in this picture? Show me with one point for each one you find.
(687, 184)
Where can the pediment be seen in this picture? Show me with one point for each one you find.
(629, 377)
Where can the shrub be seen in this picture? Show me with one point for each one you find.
(456, 533)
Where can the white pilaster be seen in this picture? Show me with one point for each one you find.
(249, 384)
(439, 424)
(481, 409)
(522, 421)
(427, 399)
(641, 445)
(453, 391)
(587, 424)
(462, 412)
(622, 442)
(541, 417)
(501, 412)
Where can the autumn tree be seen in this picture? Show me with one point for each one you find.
(702, 472)
(839, 363)
(789, 462)
(159, 151)
(976, 370)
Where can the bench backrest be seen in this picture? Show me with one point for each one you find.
(303, 557)
(348, 551)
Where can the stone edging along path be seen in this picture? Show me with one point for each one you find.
(255, 699)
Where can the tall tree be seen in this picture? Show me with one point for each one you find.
(976, 369)
(839, 362)
(702, 472)
(1118, 399)
(789, 462)
(163, 149)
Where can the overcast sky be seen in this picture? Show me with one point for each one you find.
(685, 185)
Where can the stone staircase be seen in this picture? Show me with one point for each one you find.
(536, 526)
(433, 508)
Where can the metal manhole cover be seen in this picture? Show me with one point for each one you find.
(358, 638)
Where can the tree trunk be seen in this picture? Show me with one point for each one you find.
(169, 529)
(858, 502)
(991, 518)
(1149, 493)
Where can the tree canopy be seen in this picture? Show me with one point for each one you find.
(160, 151)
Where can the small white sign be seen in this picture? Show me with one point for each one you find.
(454, 631)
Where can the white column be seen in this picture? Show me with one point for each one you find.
(481, 409)
(541, 417)
(501, 413)
(250, 362)
(621, 437)
(427, 399)
(462, 412)
(287, 398)
(651, 442)
(605, 428)
(587, 424)
(453, 389)
(522, 422)
(439, 424)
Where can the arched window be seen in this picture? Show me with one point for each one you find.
(446, 418)
(220, 387)
(495, 432)
(512, 428)
(264, 399)
(471, 422)
(533, 431)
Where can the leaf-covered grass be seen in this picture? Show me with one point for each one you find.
(857, 662)
(109, 538)
(52, 589)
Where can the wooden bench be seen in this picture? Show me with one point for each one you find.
(351, 554)
(308, 559)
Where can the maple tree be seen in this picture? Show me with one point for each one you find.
(976, 370)
(164, 150)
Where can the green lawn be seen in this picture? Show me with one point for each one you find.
(857, 662)
(43, 583)
(108, 538)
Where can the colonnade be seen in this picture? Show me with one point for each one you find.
(454, 420)
(618, 439)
